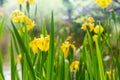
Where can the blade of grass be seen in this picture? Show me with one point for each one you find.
(14, 40)
(1, 78)
(100, 63)
(12, 62)
(23, 48)
(51, 54)
(2, 25)
(44, 31)
(1, 66)
(67, 70)
(62, 67)
(93, 56)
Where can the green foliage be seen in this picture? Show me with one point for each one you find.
(2, 25)
(53, 64)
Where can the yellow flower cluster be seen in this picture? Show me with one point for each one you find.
(103, 3)
(41, 43)
(66, 47)
(74, 66)
(97, 29)
(24, 1)
(18, 16)
(89, 24)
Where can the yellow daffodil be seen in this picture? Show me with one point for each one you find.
(103, 3)
(90, 19)
(43, 43)
(31, 1)
(20, 1)
(74, 66)
(91, 26)
(18, 16)
(33, 45)
(29, 26)
(16, 13)
(95, 38)
(19, 57)
(84, 26)
(18, 19)
(98, 29)
(73, 47)
(65, 48)
(23, 1)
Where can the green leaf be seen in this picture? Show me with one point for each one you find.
(62, 68)
(1, 67)
(12, 62)
(51, 54)
(1, 78)
(67, 70)
(44, 31)
(14, 40)
(100, 63)
(2, 25)
(24, 49)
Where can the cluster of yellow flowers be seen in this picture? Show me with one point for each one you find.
(97, 29)
(103, 3)
(41, 43)
(66, 48)
(90, 24)
(18, 16)
(24, 1)
(74, 66)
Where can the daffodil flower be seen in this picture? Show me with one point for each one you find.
(103, 3)
(74, 66)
